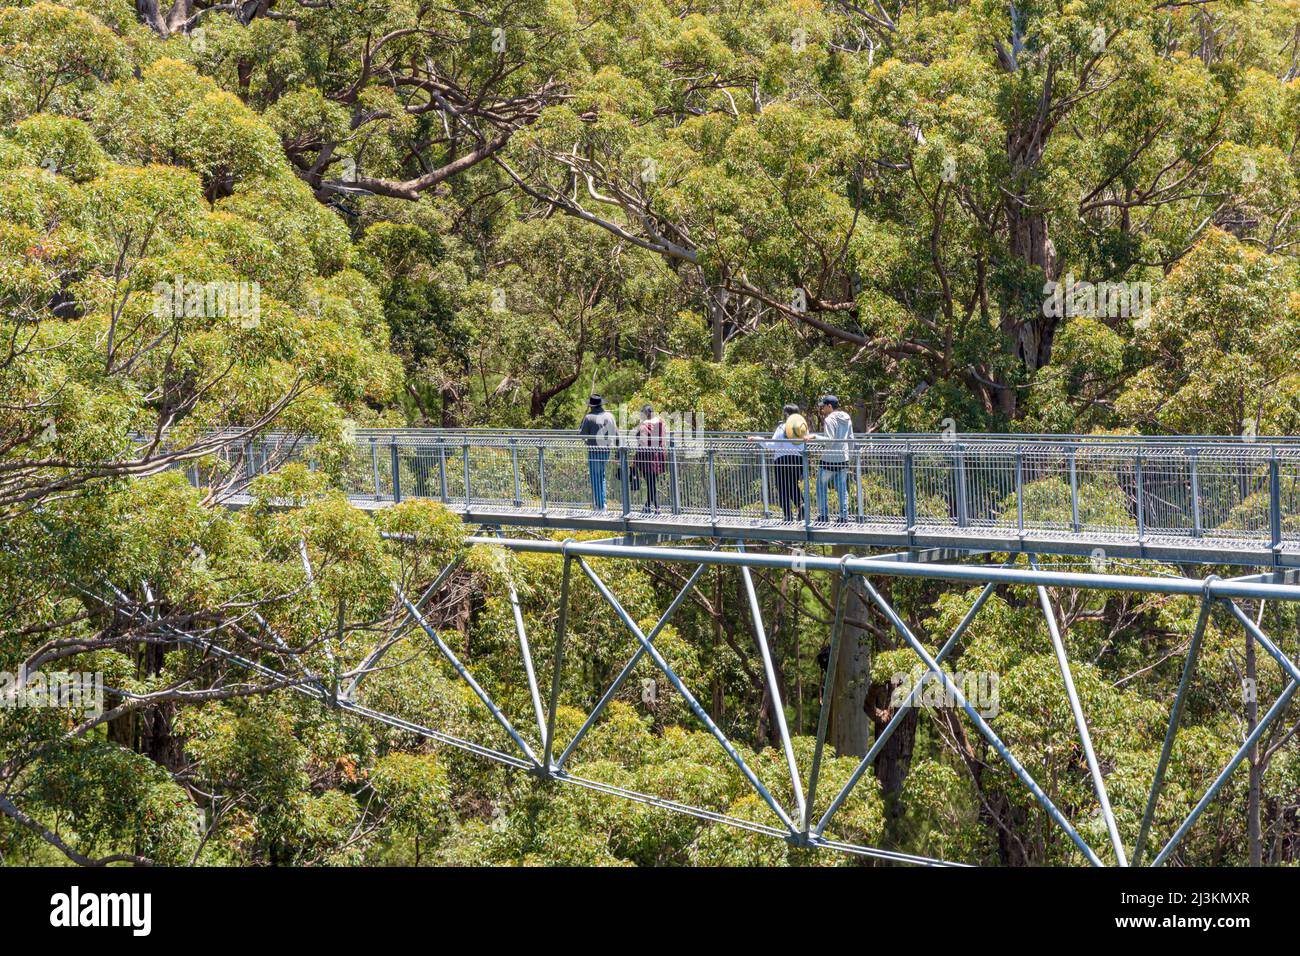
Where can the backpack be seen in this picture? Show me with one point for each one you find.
(796, 426)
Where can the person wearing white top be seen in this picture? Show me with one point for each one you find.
(787, 463)
(837, 429)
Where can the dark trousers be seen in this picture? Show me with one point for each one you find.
(650, 478)
(789, 485)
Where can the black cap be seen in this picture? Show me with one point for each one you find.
(830, 400)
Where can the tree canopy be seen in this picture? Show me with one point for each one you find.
(313, 216)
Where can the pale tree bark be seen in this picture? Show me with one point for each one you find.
(1028, 230)
(850, 726)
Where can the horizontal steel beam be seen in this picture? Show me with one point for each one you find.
(961, 573)
(493, 436)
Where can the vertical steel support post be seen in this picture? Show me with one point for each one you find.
(442, 470)
(762, 470)
(862, 501)
(1197, 528)
(1020, 491)
(713, 488)
(1140, 497)
(561, 625)
(1080, 722)
(1074, 489)
(514, 470)
(959, 463)
(397, 472)
(824, 707)
(909, 493)
(674, 486)
(773, 689)
(374, 464)
(541, 475)
(1175, 718)
(465, 452)
(625, 480)
(808, 502)
(1274, 503)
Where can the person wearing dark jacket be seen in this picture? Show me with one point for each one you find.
(601, 433)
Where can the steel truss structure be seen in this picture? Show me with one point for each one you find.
(805, 821)
(1207, 501)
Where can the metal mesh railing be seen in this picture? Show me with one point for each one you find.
(1222, 493)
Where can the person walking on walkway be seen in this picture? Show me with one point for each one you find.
(837, 431)
(787, 448)
(651, 455)
(601, 432)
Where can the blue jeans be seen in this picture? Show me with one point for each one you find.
(841, 478)
(596, 461)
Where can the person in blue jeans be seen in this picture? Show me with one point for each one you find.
(601, 432)
(837, 431)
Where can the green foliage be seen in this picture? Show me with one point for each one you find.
(715, 210)
(1220, 350)
(54, 59)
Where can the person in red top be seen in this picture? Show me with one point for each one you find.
(651, 455)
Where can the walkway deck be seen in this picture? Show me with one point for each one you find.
(1196, 500)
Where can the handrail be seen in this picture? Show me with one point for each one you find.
(449, 434)
(1056, 494)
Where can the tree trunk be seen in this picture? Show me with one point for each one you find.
(717, 321)
(157, 741)
(768, 726)
(164, 24)
(1031, 332)
(895, 757)
(850, 727)
(450, 399)
(1022, 321)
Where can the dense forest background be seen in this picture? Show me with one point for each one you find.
(477, 215)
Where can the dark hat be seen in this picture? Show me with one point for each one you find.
(830, 400)
(595, 401)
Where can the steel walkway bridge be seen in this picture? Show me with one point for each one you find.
(1186, 500)
(951, 508)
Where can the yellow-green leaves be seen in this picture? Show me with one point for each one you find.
(173, 115)
(1220, 349)
(52, 58)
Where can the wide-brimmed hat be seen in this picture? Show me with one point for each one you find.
(595, 401)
